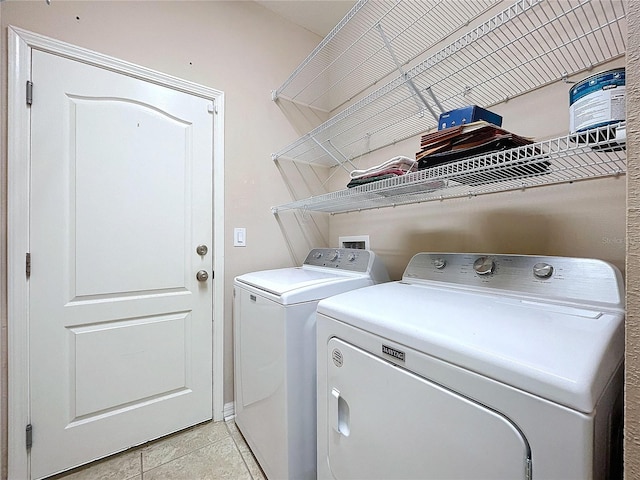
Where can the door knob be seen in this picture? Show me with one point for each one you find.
(202, 276)
(202, 250)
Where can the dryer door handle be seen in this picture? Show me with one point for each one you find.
(339, 413)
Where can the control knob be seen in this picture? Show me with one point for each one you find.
(335, 256)
(484, 266)
(439, 263)
(542, 270)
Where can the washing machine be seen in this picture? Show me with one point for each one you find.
(498, 367)
(274, 320)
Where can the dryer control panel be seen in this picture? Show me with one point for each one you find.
(565, 279)
(351, 259)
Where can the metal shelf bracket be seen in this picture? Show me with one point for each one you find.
(408, 79)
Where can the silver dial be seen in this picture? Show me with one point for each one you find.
(439, 263)
(318, 255)
(335, 256)
(542, 270)
(352, 257)
(484, 266)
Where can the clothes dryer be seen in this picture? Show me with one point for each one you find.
(275, 356)
(474, 367)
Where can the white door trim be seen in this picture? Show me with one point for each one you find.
(21, 43)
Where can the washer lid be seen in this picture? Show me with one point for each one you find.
(566, 354)
(303, 284)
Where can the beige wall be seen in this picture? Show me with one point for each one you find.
(238, 47)
(632, 357)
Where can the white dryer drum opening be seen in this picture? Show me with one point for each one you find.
(386, 422)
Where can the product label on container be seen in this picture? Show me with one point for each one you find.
(598, 101)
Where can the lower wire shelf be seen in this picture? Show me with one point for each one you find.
(593, 153)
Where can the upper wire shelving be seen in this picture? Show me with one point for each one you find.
(595, 153)
(530, 44)
(374, 39)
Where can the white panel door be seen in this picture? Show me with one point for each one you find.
(120, 329)
(384, 422)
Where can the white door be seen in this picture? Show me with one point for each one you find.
(384, 422)
(120, 332)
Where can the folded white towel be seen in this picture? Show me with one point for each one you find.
(404, 163)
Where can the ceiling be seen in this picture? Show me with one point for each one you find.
(318, 16)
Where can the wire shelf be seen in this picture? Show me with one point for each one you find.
(594, 153)
(370, 42)
(530, 44)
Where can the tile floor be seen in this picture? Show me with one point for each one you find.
(211, 450)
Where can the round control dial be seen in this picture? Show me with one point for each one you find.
(439, 263)
(484, 266)
(542, 270)
(334, 256)
(351, 257)
(318, 255)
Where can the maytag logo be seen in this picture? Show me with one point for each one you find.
(393, 352)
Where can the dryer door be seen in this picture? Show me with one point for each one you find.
(385, 422)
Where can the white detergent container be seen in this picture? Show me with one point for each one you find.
(474, 366)
(274, 319)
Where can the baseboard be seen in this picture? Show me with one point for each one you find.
(229, 411)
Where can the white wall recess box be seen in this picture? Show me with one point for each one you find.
(354, 241)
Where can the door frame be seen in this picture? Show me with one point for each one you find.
(21, 44)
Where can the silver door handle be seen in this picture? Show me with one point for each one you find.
(202, 276)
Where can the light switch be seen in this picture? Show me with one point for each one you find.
(239, 237)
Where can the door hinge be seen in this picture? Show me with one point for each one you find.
(28, 265)
(29, 436)
(29, 92)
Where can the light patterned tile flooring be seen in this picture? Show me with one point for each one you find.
(213, 450)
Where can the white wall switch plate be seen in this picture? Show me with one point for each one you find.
(239, 237)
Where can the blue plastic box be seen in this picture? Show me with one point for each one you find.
(469, 114)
